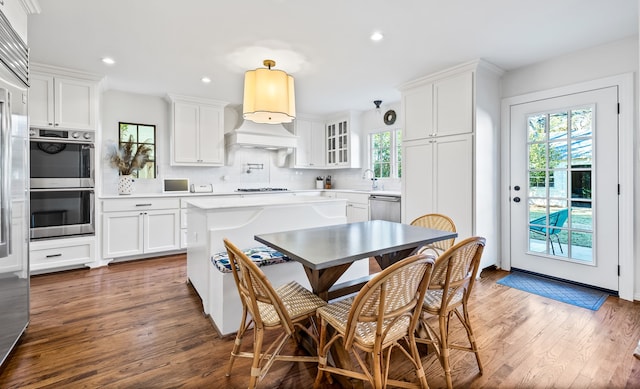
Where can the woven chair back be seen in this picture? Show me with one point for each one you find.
(385, 308)
(256, 292)
(437, 221)
(456, 269)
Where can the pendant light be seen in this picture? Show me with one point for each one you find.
(268, 95)
(377, 104)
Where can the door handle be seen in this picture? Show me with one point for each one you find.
(516, 199)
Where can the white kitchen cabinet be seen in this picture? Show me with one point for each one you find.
(342, 142)
(139, 226)
(357, 212)
(197, 132)
(443, 181)
(58, 254)
(311, 144)
(438, 106)
(357, 204)
(62, 102)
(451, 150)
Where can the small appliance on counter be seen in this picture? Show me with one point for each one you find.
(203, 188)
(173, 185)
(327, 182)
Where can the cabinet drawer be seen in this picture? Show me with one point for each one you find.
(140, 204)
(69, 254)
(361, 198)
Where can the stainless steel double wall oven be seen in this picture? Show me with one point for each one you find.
(62, 183)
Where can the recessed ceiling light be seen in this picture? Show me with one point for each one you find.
(206, 80)
(377, 36)
(108, 61)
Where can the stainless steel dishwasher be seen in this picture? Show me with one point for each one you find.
(384, 207)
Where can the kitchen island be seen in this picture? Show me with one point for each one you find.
(239, 220)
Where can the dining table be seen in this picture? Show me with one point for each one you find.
(327, 252)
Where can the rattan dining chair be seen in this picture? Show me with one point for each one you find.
(449, 289)
(384, 311)
(438, 222)
(289, 308)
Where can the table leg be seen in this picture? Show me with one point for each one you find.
(322, 280)
(386, 260)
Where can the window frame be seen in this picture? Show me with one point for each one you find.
(395, 171)
(153, 144)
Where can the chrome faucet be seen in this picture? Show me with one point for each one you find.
(374, 180)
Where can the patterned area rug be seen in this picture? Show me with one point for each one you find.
(561, 291)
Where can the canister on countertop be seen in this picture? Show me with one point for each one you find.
(327, 182)
(319, 182)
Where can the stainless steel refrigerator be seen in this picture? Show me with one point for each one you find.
(14, 199)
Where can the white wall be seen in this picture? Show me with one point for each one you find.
(120, 106)
(598, 62)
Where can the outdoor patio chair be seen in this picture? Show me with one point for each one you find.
(556, 220)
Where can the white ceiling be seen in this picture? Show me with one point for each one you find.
(166, 46)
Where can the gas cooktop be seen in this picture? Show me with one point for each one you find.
(261, 189)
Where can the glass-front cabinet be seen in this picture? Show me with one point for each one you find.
(342, 143)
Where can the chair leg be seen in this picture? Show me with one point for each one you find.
(413, 347)
(377, 368)
(559, 244)
(472, 338)
(258, 337)
(322, 353)
(444, 348)
(238, 341)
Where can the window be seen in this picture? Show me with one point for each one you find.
(138, 135)
(385, 153)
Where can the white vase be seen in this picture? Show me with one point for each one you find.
(125, 184)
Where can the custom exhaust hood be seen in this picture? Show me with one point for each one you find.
(263, 136)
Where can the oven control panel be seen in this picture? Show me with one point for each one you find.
(40, 134)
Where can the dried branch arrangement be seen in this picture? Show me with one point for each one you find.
(129, 157)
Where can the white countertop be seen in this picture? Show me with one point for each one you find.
(235, 193)
(258, 201)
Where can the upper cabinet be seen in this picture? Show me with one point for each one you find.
(439, 106)
(59, 101)
(342, 142)
(311, 139)
(197, 133)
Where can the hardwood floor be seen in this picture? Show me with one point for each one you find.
(139, 325)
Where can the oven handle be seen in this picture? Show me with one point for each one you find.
(78, 189)
(61, 140)
(5, 171)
